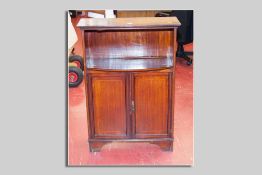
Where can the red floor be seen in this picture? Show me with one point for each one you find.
(133, 153)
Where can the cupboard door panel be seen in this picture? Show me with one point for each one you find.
(109, 105)
(151, 99)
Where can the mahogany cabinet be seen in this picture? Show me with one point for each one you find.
(129, 80)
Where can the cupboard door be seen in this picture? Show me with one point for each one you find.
(108, 105)
(151, 98)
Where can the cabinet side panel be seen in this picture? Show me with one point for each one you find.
(109, 106)
(151, 104)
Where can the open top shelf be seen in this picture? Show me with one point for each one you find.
(130, 63)
(129, 44)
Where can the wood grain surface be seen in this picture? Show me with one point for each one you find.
(109, 105)
(129, 65)
(100, 23)
(151, 104)
(138, 43)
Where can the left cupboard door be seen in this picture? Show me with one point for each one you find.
(107, 104)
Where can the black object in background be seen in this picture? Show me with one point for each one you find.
(74, 13)
(184, 32)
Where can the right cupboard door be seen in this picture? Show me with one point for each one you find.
(152, 102)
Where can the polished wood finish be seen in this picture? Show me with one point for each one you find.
(136, 13)
(130, 64)
(143, 22)
(130, 80)
(108, 105)
(151, 104)
(129, 43)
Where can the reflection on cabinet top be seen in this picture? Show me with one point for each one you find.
(127, 23)
(130, 64)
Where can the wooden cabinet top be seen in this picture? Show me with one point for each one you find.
(128, 23)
